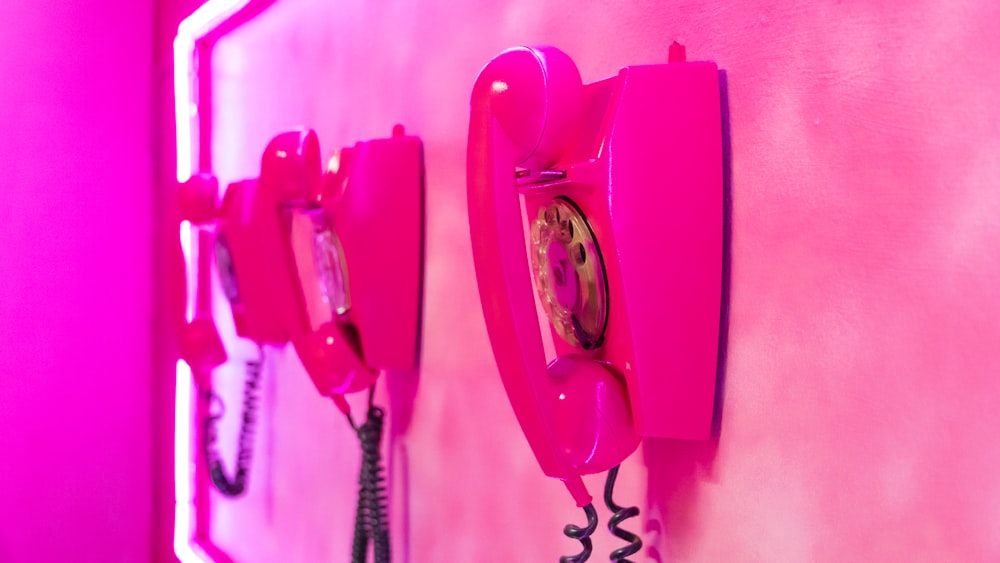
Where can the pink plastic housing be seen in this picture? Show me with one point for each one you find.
(375, 201)
(642, 156)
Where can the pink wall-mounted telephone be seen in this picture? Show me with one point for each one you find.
(328, 260)
(201, 345)
(622, 183)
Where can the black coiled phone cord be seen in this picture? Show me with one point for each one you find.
(635, 543)
(582, 535)
(371, 521)
(244, 454)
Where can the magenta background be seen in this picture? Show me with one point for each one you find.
(859, 419)
(76, 270)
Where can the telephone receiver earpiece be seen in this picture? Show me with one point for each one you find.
(575, 414)
(292, 161)
(198, 199)
(590, 409)
(534, 96)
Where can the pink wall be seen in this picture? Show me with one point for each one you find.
(861, 379)
(76, 264)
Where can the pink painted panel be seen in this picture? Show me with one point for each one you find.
(861, 373)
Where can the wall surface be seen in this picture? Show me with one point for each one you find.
(861, 375)
(76, 270)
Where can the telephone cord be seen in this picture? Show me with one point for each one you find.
(244, 454)
(635, 543)
(371, 522)
(582, 535)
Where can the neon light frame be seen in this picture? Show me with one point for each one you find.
(207, 18)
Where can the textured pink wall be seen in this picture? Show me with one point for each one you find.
(76, 271)
(862, 380)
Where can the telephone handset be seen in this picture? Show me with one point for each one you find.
(622, 184)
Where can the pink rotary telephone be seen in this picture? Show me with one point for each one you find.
(622, 183)
(329, 261)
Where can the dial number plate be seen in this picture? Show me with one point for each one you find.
(569, 273)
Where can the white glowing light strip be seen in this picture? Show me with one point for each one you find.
(189, 248)
(183, 525)
(185, 109)
(206, 18)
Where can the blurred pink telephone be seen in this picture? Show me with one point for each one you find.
(622, 184)
(330, 261)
